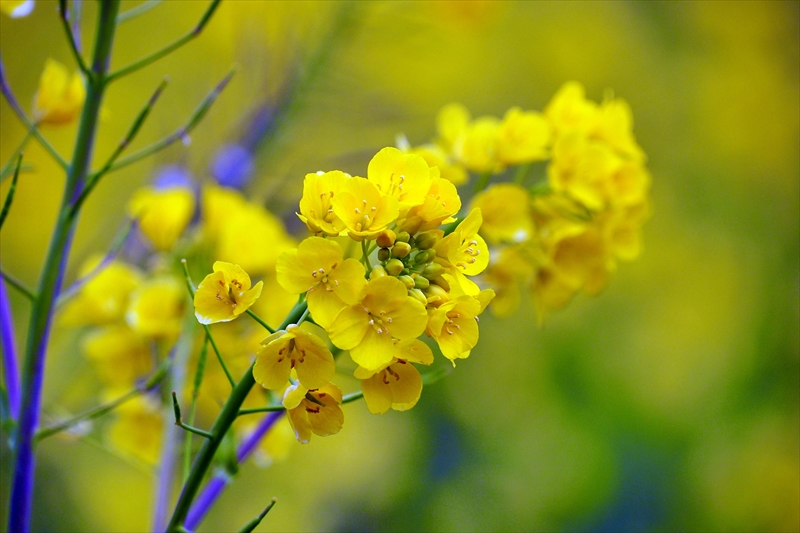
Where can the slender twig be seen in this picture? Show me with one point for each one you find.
(11, 191)
(155, 56)
(267, 409)
(100, 410)
(180, 133)
(252, 524)
(76, 23)
(15, 283)
(198, 380)
(95, 178)
(8, 168)
(73, 43)
(138, 10)
(226, 417)
(190, 286)
(12, 101)
(365, 256)
(353, 396)
(113, 251)
(51, 276)
(483, 181)
(179, 422)
(521, 173)
(9, 344)
(259, 320)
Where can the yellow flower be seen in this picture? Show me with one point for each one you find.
(384, 314)
(523, 137)
(225, 294)
(570, 110)
(119, 355)
(406, 177)
(436, 157)
(505, 211)
(318, 267)
(162, 214)
(218, 205)
(59, 98)
(156, 308)
(397, 385)
(315, 205)
(314, 411)
(451, 122)
(441, 203)
(294, 349)
(137, 430)
(104, 297)
(16, 8)
(363, 209)
(613, 124)
(454, 326)
(253, 238)
(277, 443)
(464, 252)
(508, 269)
(478, 146)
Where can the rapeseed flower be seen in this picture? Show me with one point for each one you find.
(405, 177)
(225, 294)
(464, 252)
(59, 98)
(454, 325)
(163, 214)
(104, 297)
(316, 210)
(505, 213)
(293, 349)
(137, 430)
(397, 385)
(119, 355)
(523, 137)
(314, 411)
(156, 308)
(363, 209)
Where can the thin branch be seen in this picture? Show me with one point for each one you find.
(252, 524)
(73, 43)
(100, 410)
(11, 191)
(7, 168)
(267, 409)
(12, 101)
(190, 286)
(259, 320)
(353, 396)
(113, 251)
(198, 380)
(155, 56)
(15, 283)
(76, 23)
(180, 133)
(94, 179)
(134, 12)
(187, 427)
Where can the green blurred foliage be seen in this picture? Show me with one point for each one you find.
(672, 400)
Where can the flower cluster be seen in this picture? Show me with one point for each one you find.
(564, 234)
(411, 279)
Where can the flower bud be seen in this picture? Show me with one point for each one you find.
(377, 272)
(401, 249)
(433, 270)
(408, 281)
(394, 267)
(425, 256)
(386, 239)
(419, 295)
(421, 282)
(436, 295)
(426, 241)
(441, 282)
(384, 254)
(403, 236)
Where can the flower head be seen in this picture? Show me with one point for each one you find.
(163, 214)
(156, 308)
(294, 349)
(225, 294)
(523, 137)
(505, 212)
(59, 97)
(464, 252)
(104, 297)
(363, 209)
(316, 210)
(314, 411)
(405, 177)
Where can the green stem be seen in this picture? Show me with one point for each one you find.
(15, 283)
(353, 396)
(483, 181)
(73, 43)
(259, 320)
(11, 191)
(226, 417)
(6, 171)
(365, 256)
(268, 409)
(252, 524)
(174, 45)
(198, 380)
(138, 10)
(179, 422)
(521, 173)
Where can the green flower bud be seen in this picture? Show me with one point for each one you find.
(418, 294)
(401, 249)
(433, 270)
(421, 282)
(403, 236)
(425, 256)
(377, 272)
(386, 239)
(384, 254)
(394, 267)
(408, 281)
(426, 241)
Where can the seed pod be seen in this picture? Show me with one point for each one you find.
(421, 282)
(386, 238)
(401, 249)
(408, 281)
(384, 254)
(394, 267)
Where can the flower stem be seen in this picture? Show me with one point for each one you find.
(483, 181)
(52, 274)
(9, 344)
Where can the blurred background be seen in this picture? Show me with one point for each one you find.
(671, 401)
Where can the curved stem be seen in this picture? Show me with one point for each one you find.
(52, 275)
